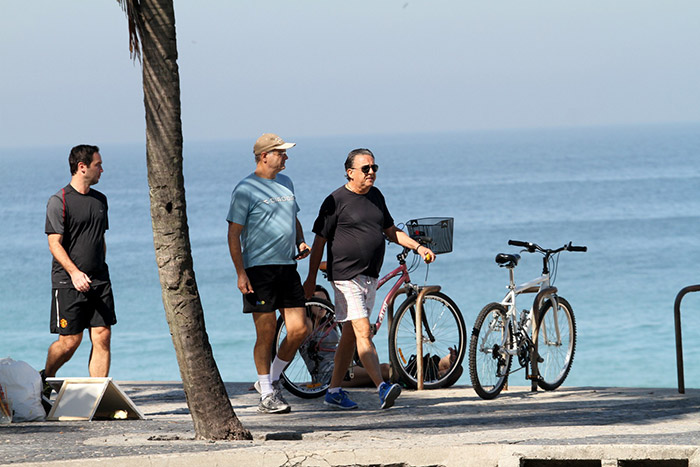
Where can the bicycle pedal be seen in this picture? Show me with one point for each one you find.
(537, 357)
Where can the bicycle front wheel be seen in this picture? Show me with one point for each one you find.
(444, 341)
(489, 363)
(309, 372)
(555, 343)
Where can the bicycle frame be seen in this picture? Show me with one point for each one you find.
(509, 302)
(404, 279)
(443, 332)
(326, 332)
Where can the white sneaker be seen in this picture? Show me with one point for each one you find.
(277, 390)
(270, 404)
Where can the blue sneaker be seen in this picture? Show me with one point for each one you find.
(339, 400)
(388, 393)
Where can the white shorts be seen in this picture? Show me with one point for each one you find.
(354, 299)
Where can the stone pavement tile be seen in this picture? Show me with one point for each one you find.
(447, 425)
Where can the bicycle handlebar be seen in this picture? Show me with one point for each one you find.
(532, 247)
(423, 239)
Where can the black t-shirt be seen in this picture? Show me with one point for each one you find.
(82, 220)
(353, 225)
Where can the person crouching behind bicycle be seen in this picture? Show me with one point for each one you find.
(355, 215)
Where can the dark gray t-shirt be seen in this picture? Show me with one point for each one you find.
(353, 225)
(82, 220)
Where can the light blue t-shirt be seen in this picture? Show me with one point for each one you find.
(267, 210)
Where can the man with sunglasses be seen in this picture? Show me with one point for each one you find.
(353, 221)
(265, 238)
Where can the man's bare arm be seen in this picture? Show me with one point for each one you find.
(397, 235)
(234, 248)
(314, 262)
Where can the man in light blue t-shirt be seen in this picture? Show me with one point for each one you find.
(265, 239)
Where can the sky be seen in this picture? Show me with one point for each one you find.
(324, 68)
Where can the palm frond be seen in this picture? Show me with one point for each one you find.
(131, 9)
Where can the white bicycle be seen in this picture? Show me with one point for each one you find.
(544, 346)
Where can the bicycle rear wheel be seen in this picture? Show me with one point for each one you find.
(488, 363)
(309, 373)
(444, 341)
(555, 342)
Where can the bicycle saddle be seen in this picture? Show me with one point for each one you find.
(506, 260)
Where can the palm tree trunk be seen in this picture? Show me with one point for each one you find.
(207, 399)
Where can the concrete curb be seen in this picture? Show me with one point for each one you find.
(466, 456)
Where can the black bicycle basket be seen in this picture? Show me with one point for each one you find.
(433, 232)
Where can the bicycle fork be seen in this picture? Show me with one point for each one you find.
(538, 327)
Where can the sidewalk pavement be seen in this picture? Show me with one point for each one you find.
(445, 427)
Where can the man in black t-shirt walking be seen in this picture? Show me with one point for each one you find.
(76, 221)
(353, 221)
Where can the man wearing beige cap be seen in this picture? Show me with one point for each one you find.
(265, 239)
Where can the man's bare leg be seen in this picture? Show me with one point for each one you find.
(343, 355)
(100, 355)
(366, 350)
(265, 325)
(297, 329)
(60, 352)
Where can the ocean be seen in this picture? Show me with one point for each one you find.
(629, 193)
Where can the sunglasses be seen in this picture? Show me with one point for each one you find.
(365, 168)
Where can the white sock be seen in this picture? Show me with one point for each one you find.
(265, 385)
(333, 390)
(278, 366)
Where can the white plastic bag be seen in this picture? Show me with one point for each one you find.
(5, 407)
(22, 385)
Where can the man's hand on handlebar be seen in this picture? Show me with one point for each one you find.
(425, 253)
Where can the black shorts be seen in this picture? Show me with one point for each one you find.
(73, 311)
(275, 286)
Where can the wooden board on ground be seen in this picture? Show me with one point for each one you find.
(90, 398)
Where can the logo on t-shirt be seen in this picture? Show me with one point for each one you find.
(279, 199)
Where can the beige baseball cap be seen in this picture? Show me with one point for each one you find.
(269, 142)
